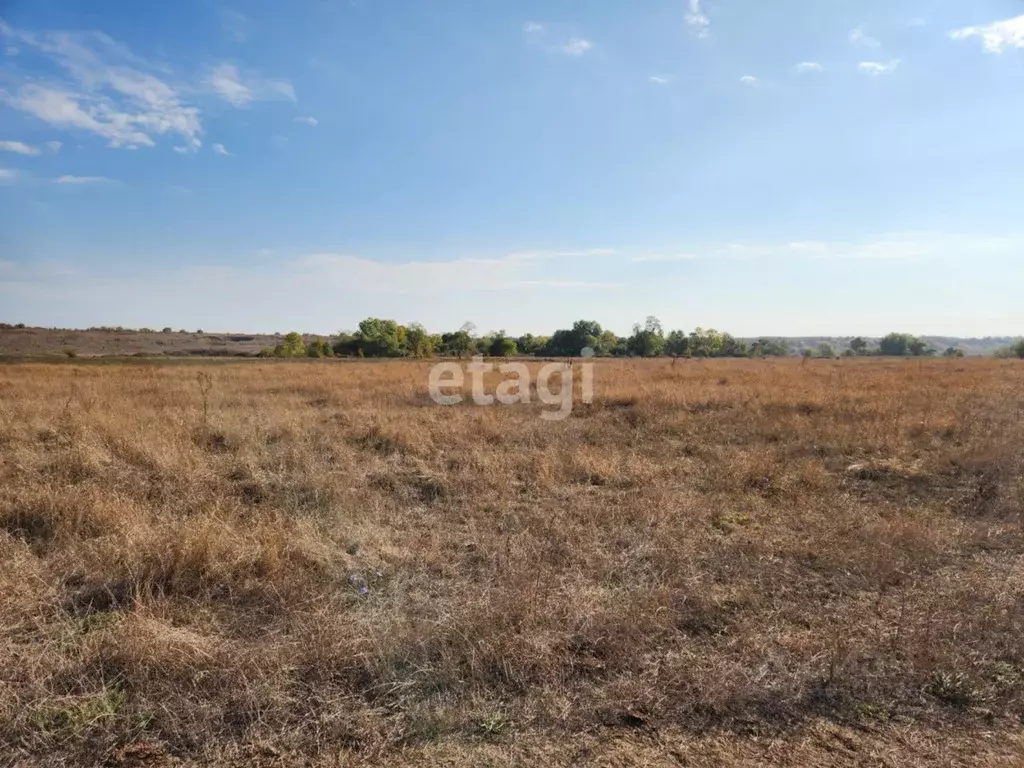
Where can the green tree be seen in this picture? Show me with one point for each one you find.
(766, 347)
(292, 346)
(609, 344)
(502, 346)
(918, 347)
(859, 346)
(319, 348)
(953, 352)
(825, 349)
(456, 344)
(733, 347)
(705, 343)
(380, 338)
(648, 340)
(895, 344)
(677, 344)
(570, 342)
(418, 343)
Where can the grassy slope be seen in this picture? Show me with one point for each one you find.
(732, 562)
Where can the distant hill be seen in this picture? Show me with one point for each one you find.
(970, 346)
(124, 342)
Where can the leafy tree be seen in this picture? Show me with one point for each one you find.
(825, 349)
(733, 347)
(502, 346)
(609, 344)
(766, 347)
(648, 340)
(677, 344)
(895, 344)
(456, 344)
(570, 342)
(528, 344)
(953, 352)
(319, 348)
(418, 343)
(918, 347)
(380, 338)
(1018, 349)
(705, 343)
(859, 346)
(292, 346)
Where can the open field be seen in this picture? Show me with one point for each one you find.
(715, 563)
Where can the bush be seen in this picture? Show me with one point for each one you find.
(503, 347)
(319, 348)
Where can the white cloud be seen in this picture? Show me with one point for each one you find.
(6, 174)
(220, 149)
(859, 37)
(12, 50)
(54, 146)
(576, 46)
(83, 180)
(310, 121)
(749, 80)
(225, 81)
(697, 20)
(876, 68)
(809, 66)
(533, 28)
(997, 36)
(659, 79)
(239, 89)
(109, 92)
(665, 257)
(885, 247)
(18, 148)
(236, 26)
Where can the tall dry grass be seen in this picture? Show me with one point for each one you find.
(737, 561)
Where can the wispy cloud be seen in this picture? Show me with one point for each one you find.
(220, 149)
(108, 91)
(660, 79)
(11, 50)
(575, 46)
(236, 26)
(533, 27)
(876, 68)
(7, 175)
(226, 83)
(238, 88)
(859, 37)
(664, 257)
(83, 180)
(995, 37)
(697, 20)
(19, 148)
(749, 80)
(312, 122)
(54, 146)
(895, 246)
(808, 66)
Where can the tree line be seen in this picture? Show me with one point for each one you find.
(380, 338)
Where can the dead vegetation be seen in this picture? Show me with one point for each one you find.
(734, 562)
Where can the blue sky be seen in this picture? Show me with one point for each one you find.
(786, 167)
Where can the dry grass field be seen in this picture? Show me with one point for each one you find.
(714, 563)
